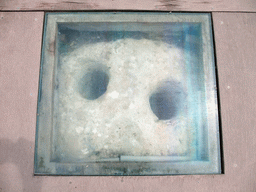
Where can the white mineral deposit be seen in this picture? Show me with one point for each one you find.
(121, 117)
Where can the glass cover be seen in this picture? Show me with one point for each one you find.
(127, 94)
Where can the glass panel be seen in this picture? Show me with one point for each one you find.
(127, 94)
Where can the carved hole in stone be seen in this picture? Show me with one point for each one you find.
(166, 101)
(93, 84)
